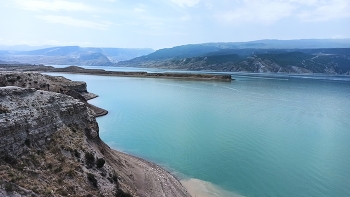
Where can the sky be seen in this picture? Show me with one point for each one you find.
(166, 23)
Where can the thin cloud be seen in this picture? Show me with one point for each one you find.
(140, 10)
(69, 21)
(186, 3)
(270, 11)
(56, 5)
(258, 11)
(325, 11)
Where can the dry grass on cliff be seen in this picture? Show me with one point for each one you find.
(59, 169)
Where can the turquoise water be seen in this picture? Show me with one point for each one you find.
(260, 135)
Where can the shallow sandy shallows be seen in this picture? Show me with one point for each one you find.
(199, 188)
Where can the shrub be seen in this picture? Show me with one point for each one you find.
(70, 173)
(62, 192)
(115, 178)
(57, 170)
(100, 162)
(49, 165)
(92, 179)
(89, 159)
(9, 187)
(76, 153)
(27, 142)
(121, 193)
(8, 159)
(3, 110)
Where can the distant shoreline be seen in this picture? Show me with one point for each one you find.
(102, 72)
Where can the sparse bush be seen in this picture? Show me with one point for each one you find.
(9, 187)
(89, 159)
(62, 192)
(115, 178)
(49, 165)
(60, 181)
(121, 193)
(3, 110)
(8, 159)
(100, 162)
(27, 142)
(11, 80)
(57, 170)
(61, 159)
(40, 152)
(92, 179)
(76, 153)
(70, 173)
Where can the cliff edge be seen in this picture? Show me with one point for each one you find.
(50, 146)
(76, 89)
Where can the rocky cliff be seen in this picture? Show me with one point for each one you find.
(76, 89)
(32, 116)
(50, 146)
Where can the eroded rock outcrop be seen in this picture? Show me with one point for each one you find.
(31, 116)
(50, 146)
(44, 137)
(76, 89)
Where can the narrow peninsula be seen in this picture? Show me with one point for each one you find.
(80, 70)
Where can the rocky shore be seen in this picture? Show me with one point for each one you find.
(50, 145)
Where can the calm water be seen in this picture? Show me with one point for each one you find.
(257, 136)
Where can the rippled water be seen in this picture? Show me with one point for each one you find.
(257, 136)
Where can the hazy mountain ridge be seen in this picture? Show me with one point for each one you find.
(243, 57)
(73, 55)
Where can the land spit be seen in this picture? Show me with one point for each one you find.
(79, 70)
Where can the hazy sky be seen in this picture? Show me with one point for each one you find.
(167, 23)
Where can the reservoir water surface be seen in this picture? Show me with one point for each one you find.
(259, 135)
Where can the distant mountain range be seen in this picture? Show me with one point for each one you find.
(71, 55)
(331, 56)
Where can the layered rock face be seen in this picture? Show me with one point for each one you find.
(50, 146)
(41, 82)
(31, 116)
(76, 89)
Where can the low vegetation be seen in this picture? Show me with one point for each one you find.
(56, 169)
(100, 162)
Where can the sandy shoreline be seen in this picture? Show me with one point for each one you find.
(143, 177)
(151, 179)
(199, 188)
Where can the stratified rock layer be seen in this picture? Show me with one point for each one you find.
(32, 116)
(50, 146)
(76, 89)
